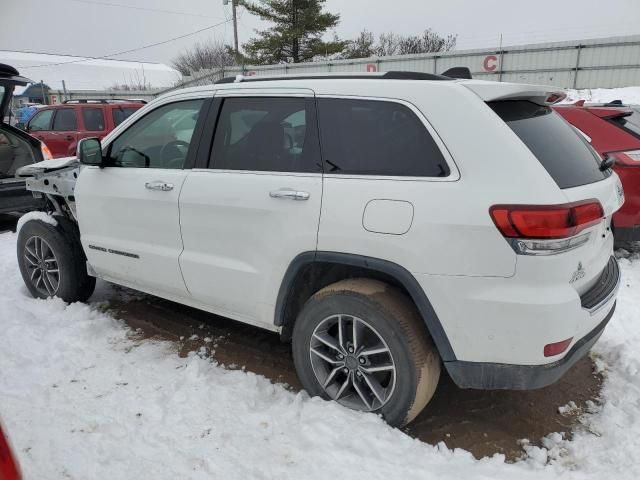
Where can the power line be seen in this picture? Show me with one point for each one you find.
(148, 9)
(104, 57)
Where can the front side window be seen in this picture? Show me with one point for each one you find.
(371, 137)
(93, 119)
(266, 134)
(41, 121)
(65, 120)
(160, 139)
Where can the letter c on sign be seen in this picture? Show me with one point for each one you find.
(490, 63)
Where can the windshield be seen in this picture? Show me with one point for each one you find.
(563, 152)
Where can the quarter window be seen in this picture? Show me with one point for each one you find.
(371, 137)
(120, 114)
(93, 119)
(160, 139)
(41, 121)
(266, 134)
(65, 120)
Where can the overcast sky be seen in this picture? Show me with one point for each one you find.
(103, 27)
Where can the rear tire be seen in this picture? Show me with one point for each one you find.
(391, 368)
(52, 262)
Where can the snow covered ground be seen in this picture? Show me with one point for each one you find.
(83, 398)
(629, 95)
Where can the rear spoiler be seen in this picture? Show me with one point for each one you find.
(610, 112)
(494, 91)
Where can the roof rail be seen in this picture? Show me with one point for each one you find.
(393, 75)
(104, 100)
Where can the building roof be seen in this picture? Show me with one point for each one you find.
(82, 73)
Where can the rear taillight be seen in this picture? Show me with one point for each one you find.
(46, 153)
(546, 229)
(8, 465)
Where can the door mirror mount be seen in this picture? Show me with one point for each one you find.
(89, 152)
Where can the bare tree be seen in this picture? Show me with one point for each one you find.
(210, 55)
(361, 47)
(429, 41)
(135, 82)
(388, 44)
(394, 44)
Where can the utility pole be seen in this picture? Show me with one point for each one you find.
(235, 25)
(64, 89)
(44, 99)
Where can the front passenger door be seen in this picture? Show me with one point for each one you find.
(128, 211)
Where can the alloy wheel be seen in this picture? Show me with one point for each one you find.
(42, 266)
(352, 362)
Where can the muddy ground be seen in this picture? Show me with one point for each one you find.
(482, 422)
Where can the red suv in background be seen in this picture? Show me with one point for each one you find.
(61, 126)
(614, 130)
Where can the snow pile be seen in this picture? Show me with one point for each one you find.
(629, 95)
(82, 398)
(36, 215)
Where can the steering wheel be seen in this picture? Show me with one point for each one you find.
(176, 160)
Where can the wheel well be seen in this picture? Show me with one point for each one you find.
(314, 276)
(311, 272)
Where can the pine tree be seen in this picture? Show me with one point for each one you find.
(296, 35)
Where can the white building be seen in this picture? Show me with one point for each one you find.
(81, 73)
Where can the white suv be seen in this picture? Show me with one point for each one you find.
(386, 224)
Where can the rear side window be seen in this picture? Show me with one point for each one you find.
(120, 114)
(562, 151)
(371, 137)
(65, 120)
(630, 123)
(266, 134)
(93, 119)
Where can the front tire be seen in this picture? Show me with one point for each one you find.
(362, 343)
(52, 263)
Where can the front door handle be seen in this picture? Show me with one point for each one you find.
(158, 185)
(290, 194)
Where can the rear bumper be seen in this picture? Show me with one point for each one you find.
(500, 376)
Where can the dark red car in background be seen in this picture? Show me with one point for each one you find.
(614, 130)
(9, 469)
(60, 127)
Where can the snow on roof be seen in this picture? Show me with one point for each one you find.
(81, 73)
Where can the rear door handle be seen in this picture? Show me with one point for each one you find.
(158, 185)
(290, 194)
(69, 137)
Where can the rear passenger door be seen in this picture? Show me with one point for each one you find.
(93, 122)
(256, 204)
(64, 132)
